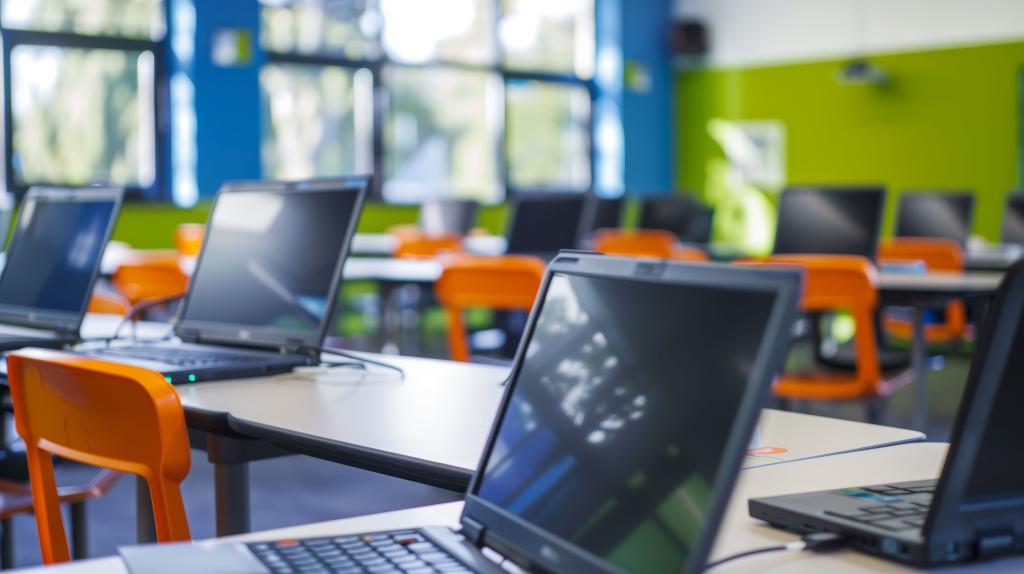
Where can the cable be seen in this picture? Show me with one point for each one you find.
(358, 359)
(131, 318)
(816, 541)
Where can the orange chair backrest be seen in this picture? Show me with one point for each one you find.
(109, 415)
(188, 238)
(842, 283)
(636, 242)
(509, 282)
(938, 254)
(427, 247)
(111, 303)
(150, 276)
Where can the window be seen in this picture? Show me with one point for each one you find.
(82, 94)
(467, 99)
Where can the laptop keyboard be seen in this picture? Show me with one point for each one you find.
(890, 506)
(182, 357)
(405, 552)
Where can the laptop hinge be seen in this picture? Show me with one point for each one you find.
(473, 531)
(992, 543)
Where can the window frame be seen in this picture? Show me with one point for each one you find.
(11, 38)
(504, 75)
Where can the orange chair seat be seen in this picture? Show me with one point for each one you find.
(941, 255)
(655, 243)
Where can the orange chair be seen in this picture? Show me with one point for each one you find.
(147, 276)
(188, 238)
(656, 243)
(504, 283)
(940, 255)
(839, 283)
(111, 303)
(421, 246)
(114, 416)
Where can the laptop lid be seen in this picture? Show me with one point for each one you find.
(834, 220)
(54, 256)
(602, 213)
(980, 494)
(441, 216)
(681, 213)
(944, 214)
(545, 222)
(271, 263)
(632, 400)
(1013, 219)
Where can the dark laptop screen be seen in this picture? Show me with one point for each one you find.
(620, 414)
(946, 215)
(270, 258)
(1013, 224)
(55, 250)
(843, 221)
(545, 222)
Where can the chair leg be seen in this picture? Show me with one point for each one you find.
(6, 544)
(79, 532)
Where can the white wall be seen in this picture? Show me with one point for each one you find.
(751, 32)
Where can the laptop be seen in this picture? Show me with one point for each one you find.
(680, 213)
(544, 223)
(629, 408)
(1013, 219)
(51, 264)
(263, 292)
(443, 216)
(975, 509)
(943, 214)
(833, 220)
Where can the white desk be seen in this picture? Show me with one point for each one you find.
(738, 531)
(996, 257)
(385, 244)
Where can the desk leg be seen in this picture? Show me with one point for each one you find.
(231, 485)
(145, 530)
(918, 361)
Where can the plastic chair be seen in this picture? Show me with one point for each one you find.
(421, 246)
(656, 243)
(188, 238)
(147, 276)
(840, 283)
(114, 416)
(111, 303)
(941, 255)
(502, 283)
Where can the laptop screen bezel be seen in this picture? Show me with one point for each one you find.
(525, 542)
(52, 319)
(194, 330)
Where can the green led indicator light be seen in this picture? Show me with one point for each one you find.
(191, 378)
(168, 379)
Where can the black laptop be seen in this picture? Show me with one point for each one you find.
(543, 223)
(943, 214)
(1013, 219)
(975, 510)
(51, 264)
(630, 406)
(264, 288)
(834, 220)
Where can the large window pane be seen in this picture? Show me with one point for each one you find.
(548, 135)
(347, 28)
(549, 35)
(316, 121)
(82, 115)
(129, 18)
(441, 137)
(451, 30)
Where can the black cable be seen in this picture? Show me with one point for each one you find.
(131, 317)
(358, 359)
(815, 541)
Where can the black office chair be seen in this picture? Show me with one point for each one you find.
(1013, 219)
(944, 214)
(680, 213)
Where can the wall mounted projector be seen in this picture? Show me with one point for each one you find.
(861, 72)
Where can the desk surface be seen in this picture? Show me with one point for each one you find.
(739, 532)
(944, 284)
(385, 244)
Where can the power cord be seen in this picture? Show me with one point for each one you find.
(359, 360)
(815, 541)
(131, 318)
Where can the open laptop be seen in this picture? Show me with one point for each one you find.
(265, 284)
(834, 220)
(544, 223)
(944, 214)
(1013, 219)
(51, 264)
(975, 510)
(629, 408)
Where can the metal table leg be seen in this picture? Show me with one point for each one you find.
(918, 361)
(145, 529)
(231, 485)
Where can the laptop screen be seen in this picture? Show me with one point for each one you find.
(544, 223)
(841, 221)
(55, 251)
(945, 215)
(1013, 224)
(270, 260)
(616, 427)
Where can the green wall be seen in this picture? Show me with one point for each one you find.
(948, 119)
